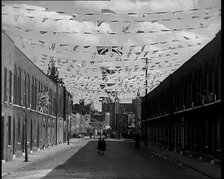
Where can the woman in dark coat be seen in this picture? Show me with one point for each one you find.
(103, 146)
(99, 146)
(137, 140)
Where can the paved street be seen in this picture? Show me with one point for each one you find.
(121, 160)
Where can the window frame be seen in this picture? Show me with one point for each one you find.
(5, 84)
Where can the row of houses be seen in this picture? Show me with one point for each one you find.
(34, 107)
(183, 113)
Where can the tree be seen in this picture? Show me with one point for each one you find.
(53, 72)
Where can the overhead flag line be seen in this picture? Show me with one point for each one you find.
(99, 22)
(61, 45)
(109, 12)
(128, 59)
(102, 50)
(138, 31)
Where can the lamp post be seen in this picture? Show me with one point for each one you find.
(146, 101)
(137, 112)
(116, 112)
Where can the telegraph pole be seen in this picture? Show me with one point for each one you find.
(146, 101)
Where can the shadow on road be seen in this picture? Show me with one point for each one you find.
(121, 160)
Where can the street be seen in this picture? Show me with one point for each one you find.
(121, 160)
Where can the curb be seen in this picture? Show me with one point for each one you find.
(61, 148)
(183, 162)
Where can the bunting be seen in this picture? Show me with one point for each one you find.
(117, 49)
(138, 31)
(107, 11)
(121, 74)
(126, 23)
(99, 23)
(75, 47)
(126, 27)
(104, 11)
(102, 50)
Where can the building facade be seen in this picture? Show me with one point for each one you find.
(7, 68)
(183, 113)
(118, 111)
(33, 106)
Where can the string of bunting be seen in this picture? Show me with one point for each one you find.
(121, 86)
(53, 45)
(139, 31)
(124, 64)
(103, 50)
(99, 22)
(108, 11)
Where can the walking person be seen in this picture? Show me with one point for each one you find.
(99, 146)
(103, 146)
(137, 140)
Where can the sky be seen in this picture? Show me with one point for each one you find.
(57, 30)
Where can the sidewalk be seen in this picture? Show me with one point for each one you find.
(206, 168)
(18, 163)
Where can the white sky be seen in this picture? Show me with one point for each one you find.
(86, 82)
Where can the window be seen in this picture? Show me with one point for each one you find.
(38, 86)
(5, 84)
(50, 102)
(15, 86)
(25, 89)
(18, 131)
(9, 130)
(28, 89)
(41, 87)
(32, 94)
(35, 95)
(10, 86)
(17, 91)
(47, 105)
(2, 136)
(19, 87)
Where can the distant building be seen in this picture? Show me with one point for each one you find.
(116, 116)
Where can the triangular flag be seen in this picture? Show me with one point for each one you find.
(126, 26)
(99, 23)
(107, 11)
(117, 49)
(52, 46)
(44, 19)
(75, 48)
(102, 50)
(16, 17)
(146, 53)
(143, 47)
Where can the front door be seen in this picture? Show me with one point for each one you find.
(31, 135)
(14, 136)
(2, 137)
